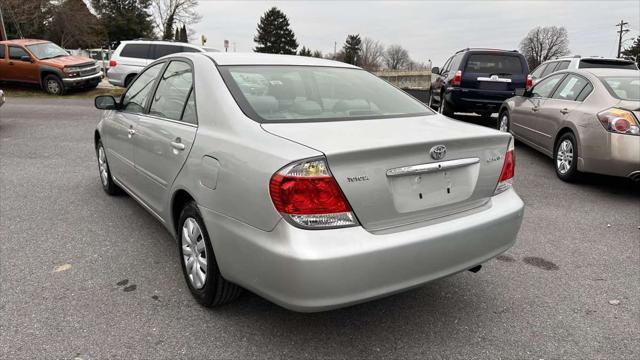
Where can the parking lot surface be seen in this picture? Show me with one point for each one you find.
(85, 275)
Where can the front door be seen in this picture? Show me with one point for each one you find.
(120, 127)
(165, 134)
(21, 66)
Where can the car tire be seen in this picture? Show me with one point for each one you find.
(444, 107)
(565, 157)
(53, 85)
(504, 122)
(105, 173)
(193, 243)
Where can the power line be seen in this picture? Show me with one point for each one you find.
(621, 32)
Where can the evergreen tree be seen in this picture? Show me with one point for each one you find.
(352, 48)
(317, 54)
(183, 34)
(274, 34)
(304, 52)
(176, 37)
(124, 19)
(633, 52)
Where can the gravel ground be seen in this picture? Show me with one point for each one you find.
(85, 275)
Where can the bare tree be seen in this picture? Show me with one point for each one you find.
(544, 43)
(372, 54)
(167, 13)
(396, 57)
(74, 26)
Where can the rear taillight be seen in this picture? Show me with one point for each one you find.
(308, 196)
(457, 78)
(508, 170)
(619, 121)
(529, 83)
(113, 63)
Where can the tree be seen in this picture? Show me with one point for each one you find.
(544, 43)
(74, 26)
(124, 19)
(169, 12)
(633, 52)
(304, 52)
(317, 54)
(396, 57)
(372, 54)
(27, 18)
(274, 34)
(352, 48)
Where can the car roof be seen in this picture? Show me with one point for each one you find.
(23, 42)
(160, 42)
(222, 58)
(578, 57)
(609, 72)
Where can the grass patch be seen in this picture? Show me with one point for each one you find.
(23, 91)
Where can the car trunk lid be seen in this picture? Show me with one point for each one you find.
(385, 170)
(494, 71)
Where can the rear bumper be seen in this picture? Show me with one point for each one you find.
(307, 270)
(619, 156)
(471, 100)
(82, 81)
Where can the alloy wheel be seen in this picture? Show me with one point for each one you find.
(504, 123)
(102, 166)
(194, 252)
(53, 87)
(564, 158)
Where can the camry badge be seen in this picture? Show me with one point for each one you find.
(438, 152)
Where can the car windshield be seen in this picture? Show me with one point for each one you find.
(47, 50)
(623, 88)
(308, 93)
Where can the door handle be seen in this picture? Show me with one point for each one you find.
(564, 111)
(177, 144)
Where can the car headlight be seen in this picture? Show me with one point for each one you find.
(72, 71)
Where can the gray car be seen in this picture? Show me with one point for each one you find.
(586, 120)
(310, 182)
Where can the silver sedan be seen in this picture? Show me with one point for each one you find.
(586, 120)
(310, 182)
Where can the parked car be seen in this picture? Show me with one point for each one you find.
(130, 57)
(310, 182)
(585, 119)
(579, 62)
(46, 64)
(477, 81)
(2, 98)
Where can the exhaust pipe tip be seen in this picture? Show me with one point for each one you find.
(476, 268)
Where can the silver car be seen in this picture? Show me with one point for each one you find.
(586, 120)
(310, 182)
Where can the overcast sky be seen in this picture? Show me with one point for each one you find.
(427, 29)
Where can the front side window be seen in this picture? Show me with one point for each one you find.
(563, 65)
(570, 88)
(16, 53)
(538, 72)
(545, 87)
(173, 90)
(306, 93)
(135, 99)
(47, 50)
(623, 87)
(551, 67)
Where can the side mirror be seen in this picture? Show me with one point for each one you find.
(25, 58)
(435, 70)
(105, 102)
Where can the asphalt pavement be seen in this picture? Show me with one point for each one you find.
(85, 275)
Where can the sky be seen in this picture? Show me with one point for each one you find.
(427, 29)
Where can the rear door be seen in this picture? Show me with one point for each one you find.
(119, 127)
(136, 55)
(164, 135)
(493, 73)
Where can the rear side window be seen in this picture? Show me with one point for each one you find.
(494, 64)
(173, 91)
(163, 50)
(609, 64)
(546, 86)
(2, 47)
(15, 53)
(563, 65)
(135, 99)
(585, 92)
(138, 51)
(570, 88)
(189, 49)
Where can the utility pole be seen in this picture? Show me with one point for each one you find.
(3, 31)
(621, 32)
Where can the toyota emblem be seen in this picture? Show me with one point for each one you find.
(438, 152)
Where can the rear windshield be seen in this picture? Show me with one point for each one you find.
(609, 64)
(313, 93)
(494, 64)
(623, 88)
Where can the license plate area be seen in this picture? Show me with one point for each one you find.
(414, 192)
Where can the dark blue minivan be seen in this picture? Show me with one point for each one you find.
(478, 81)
